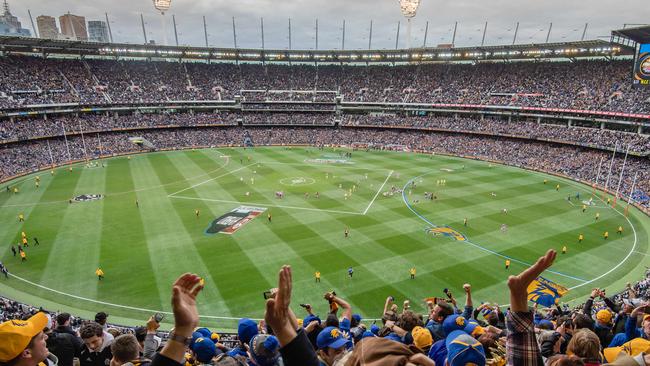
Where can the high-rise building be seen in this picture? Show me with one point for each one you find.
(73, 26)
(47, 27)
(97, 31)
(9, 24)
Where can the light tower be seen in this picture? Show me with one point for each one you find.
(162, 6)
(409, 8)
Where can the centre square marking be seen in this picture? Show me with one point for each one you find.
(297, 181)
(289, 181)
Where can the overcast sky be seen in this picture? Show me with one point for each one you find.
(568, 17)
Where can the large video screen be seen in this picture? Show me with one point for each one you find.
(642, 66)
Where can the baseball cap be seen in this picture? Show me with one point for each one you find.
(463, 349)
(15, 335)
(246, 330)
(631, 348)
(101, 317)
(204, 349)
(205, 332)
(310, 318)
(474, 329)
(604, 316)
(265, 350)
(453, 322)
(421, 337)
(374, 329)
(330, 337)
(357, 318)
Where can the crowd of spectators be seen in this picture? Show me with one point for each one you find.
(573, 161)
(582, 85)
(531, 130)
(604, 330)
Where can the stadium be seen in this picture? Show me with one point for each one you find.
(421, 189)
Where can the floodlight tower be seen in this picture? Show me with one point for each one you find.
(162, 6)
(409, 9)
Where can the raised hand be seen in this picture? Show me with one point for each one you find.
(519, 284)
(278, 315)
(184, 292)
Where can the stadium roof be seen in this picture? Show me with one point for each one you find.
(637, 34)
(594, 48)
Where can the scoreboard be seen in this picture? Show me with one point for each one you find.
(642, 66)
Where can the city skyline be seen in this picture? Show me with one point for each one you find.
(534, 22)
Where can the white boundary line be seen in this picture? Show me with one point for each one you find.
(108, 303)
(263, 204)
(581, 187)
(209, 180)
(378, 191)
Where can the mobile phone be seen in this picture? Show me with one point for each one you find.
(267, 295)
(304, 305)
(158, 317)
(391, 298)
(445, 290)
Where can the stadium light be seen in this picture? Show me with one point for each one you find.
(409, 7)
(162, 5)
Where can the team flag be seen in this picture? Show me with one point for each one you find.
(544, 292)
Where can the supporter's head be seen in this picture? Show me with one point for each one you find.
(204, 350)
(246, 330)
(140, 334)
(604, 317)
(63, 319)
(422, 338)
(441, 311)
(23, 341)
(100, 318)
(389, 315)
(332, 321)
(564, 360)
(454, 322)
(585, 344)
(582, 321)
(646, 325)
(114, 332)
(331, 344)
(125, 348)
(549, 343)
(409, 320)
(265, 350)
(462, 349)
(93, 335)
(355, 321)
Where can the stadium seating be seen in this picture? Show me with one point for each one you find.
(581, 85)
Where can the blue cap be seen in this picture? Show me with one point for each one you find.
(205, 332)
(310, 318)
(204, 349)
(374, 329)
(473, 325)
(246, 330)
(463, 349)
(545, 324)
(265, 350)
(367, 334)
(357, 318)
(330, 337)
(453, 323)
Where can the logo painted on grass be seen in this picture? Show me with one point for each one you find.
(232, 221)
(297, 181)
(88, 197)
(448, 232)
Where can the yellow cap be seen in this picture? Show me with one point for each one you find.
(15, 335)
(604, 316)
